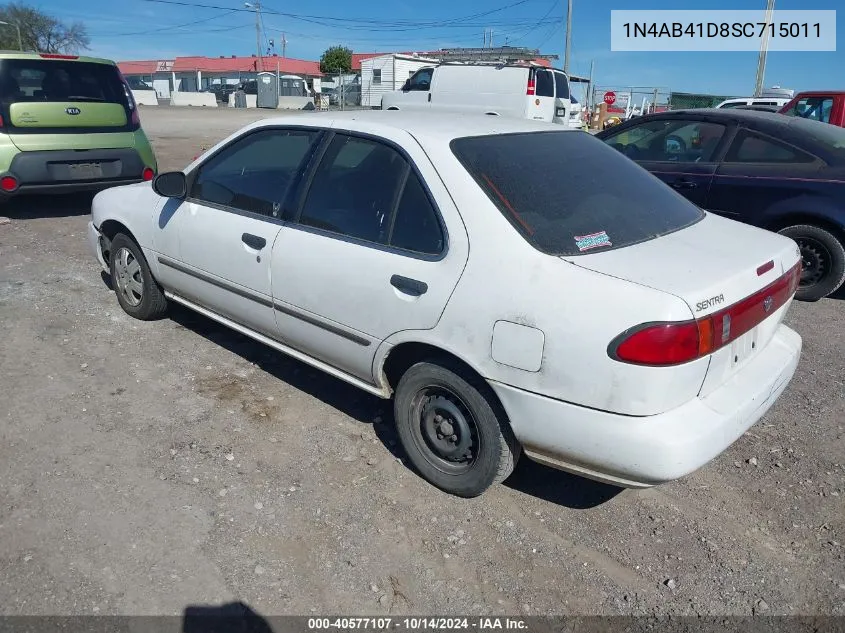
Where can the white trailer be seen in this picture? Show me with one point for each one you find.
(387, 73)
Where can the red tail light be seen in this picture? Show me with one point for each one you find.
(148, 174)
(8, 183)
(2, 122)
(532, 87)
(674, 343)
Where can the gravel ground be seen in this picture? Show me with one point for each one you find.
(145, 467)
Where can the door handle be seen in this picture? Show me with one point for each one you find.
(253, 241)
(429, 97)
(684, 183)
(409, 286)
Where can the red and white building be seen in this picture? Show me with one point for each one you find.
(195, 74)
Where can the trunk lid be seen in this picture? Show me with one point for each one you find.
(713, 266)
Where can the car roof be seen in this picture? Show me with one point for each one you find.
(440, 126)
(50, 57)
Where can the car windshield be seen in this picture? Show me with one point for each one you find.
(568, 193)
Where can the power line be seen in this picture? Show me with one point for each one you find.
(355, 23)
(176, 26)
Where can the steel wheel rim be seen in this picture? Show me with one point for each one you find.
(128, 277)
(815, 261)
(445, 430)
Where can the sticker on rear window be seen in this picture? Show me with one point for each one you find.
(593, 240)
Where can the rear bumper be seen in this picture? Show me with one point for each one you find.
(639, 452)
(64, 171)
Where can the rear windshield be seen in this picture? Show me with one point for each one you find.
(561, 86)
(568, 193)
(545, 84)
(41, 80)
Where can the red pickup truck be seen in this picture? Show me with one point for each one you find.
(827, 106)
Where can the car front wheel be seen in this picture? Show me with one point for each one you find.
(137, 292)
(452, 429)
(822, 261)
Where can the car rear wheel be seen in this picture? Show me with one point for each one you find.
(822, 261)
(451, 429)
(137, 292)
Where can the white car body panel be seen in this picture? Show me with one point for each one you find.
(535, 326)
(751, 101)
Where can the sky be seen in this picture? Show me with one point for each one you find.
(163, 29)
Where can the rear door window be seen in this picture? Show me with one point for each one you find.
(561, 86)
(545, 83)
(749, 147)
(568, 193)
(354, 189)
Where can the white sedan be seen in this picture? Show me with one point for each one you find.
(513, 287)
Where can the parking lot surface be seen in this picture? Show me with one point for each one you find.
(146, 467)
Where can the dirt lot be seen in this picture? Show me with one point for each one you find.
(145, 467)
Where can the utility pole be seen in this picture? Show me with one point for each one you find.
(764, 50)
(256, 6)
(284, 46)
(568, 36)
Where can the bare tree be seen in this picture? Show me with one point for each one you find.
(40, 31)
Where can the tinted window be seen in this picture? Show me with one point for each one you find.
(813, 108)
(751, 148)
(354, 189)
(669, 140)
(42, 80)
(569, 193)
(416, 227)
(421, 80)
(254, 173)
(561, 86)
(735, 104)
(545, 83)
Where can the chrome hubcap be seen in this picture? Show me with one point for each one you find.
(128, 277)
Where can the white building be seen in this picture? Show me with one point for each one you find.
(387, 73)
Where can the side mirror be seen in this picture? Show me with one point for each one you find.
(171, 184)
(406, 86)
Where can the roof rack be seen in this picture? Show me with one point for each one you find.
(508, 54)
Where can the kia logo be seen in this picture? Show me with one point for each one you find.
(767, 303)
(73, 111)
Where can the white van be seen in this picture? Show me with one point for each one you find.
(754, 101)
(521, 91)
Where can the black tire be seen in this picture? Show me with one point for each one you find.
(147, 304)
(823, 258)
(431, 388)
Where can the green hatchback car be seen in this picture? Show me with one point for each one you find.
(68, 123)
